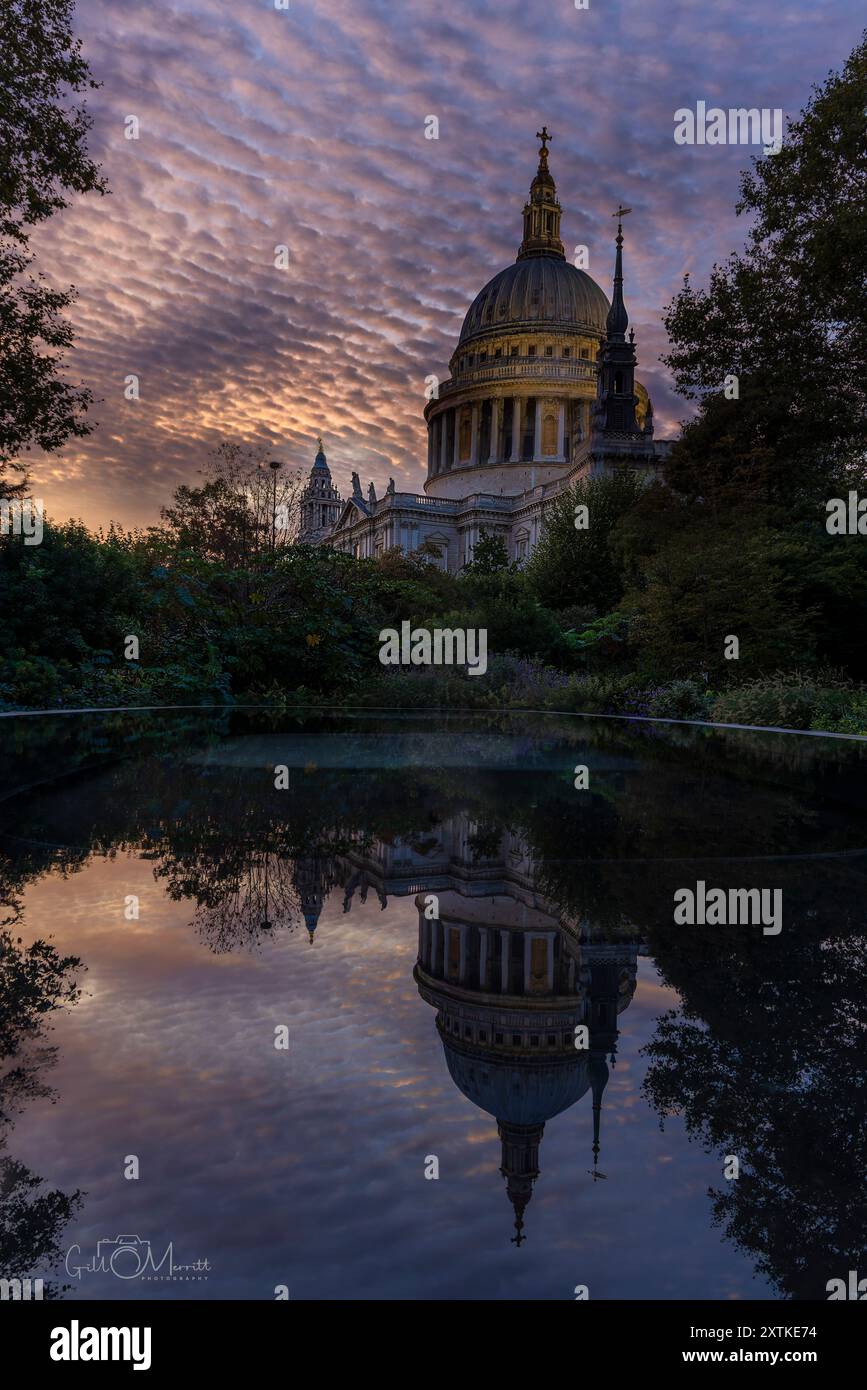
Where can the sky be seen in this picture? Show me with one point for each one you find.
(304, 127)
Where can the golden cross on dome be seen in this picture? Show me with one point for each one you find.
(545, 138)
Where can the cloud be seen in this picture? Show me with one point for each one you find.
(305, 128)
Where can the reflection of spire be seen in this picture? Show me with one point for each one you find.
(599, 1079)
(312, 877)
(520, 1167)
(603, 996)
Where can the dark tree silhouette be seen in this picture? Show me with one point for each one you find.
(34, 982)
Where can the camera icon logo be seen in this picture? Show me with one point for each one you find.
(126, 1256)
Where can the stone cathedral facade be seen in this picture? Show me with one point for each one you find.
(542, 391)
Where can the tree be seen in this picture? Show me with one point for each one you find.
(580, 563)
(44, 161)
(241, 512)
(690, 597)
(490, 555)
(787, 317)
(773, 351)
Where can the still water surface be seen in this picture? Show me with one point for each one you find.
(425, 909)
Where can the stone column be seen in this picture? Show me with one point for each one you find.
(517, 413)
(483, 956)
(561, 430)
(537, 442)
(444, 439)
(474, 438)
(457, 449)
(496, 426)
(504, 961)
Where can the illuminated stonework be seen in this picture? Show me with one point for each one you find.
(541, 392)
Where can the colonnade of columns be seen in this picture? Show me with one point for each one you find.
(485, 959)
(444, 433)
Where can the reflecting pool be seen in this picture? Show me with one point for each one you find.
(397, 1006)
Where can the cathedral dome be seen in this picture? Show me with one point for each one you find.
(537, 291)
(524, 1092)
(542, 290)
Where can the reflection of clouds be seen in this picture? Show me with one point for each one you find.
(306, 1167)
(305, 128)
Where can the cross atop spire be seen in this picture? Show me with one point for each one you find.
(545, 138)
(620, 214)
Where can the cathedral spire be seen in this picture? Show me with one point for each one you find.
(542, 212)
(614, 409)
(618, 319)
(320, 461)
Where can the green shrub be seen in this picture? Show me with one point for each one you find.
(685, 699)
(795, 700)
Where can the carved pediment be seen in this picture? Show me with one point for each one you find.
(350, 514)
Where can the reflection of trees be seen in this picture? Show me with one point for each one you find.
(212, 828)
(241, 897)
(34, 981)
(765, 1060)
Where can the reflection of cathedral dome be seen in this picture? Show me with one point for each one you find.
(525, 1091)
(543, 291)
(511, 990)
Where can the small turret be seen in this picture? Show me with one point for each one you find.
(320, 502)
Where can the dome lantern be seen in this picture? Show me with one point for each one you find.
(542, 211)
